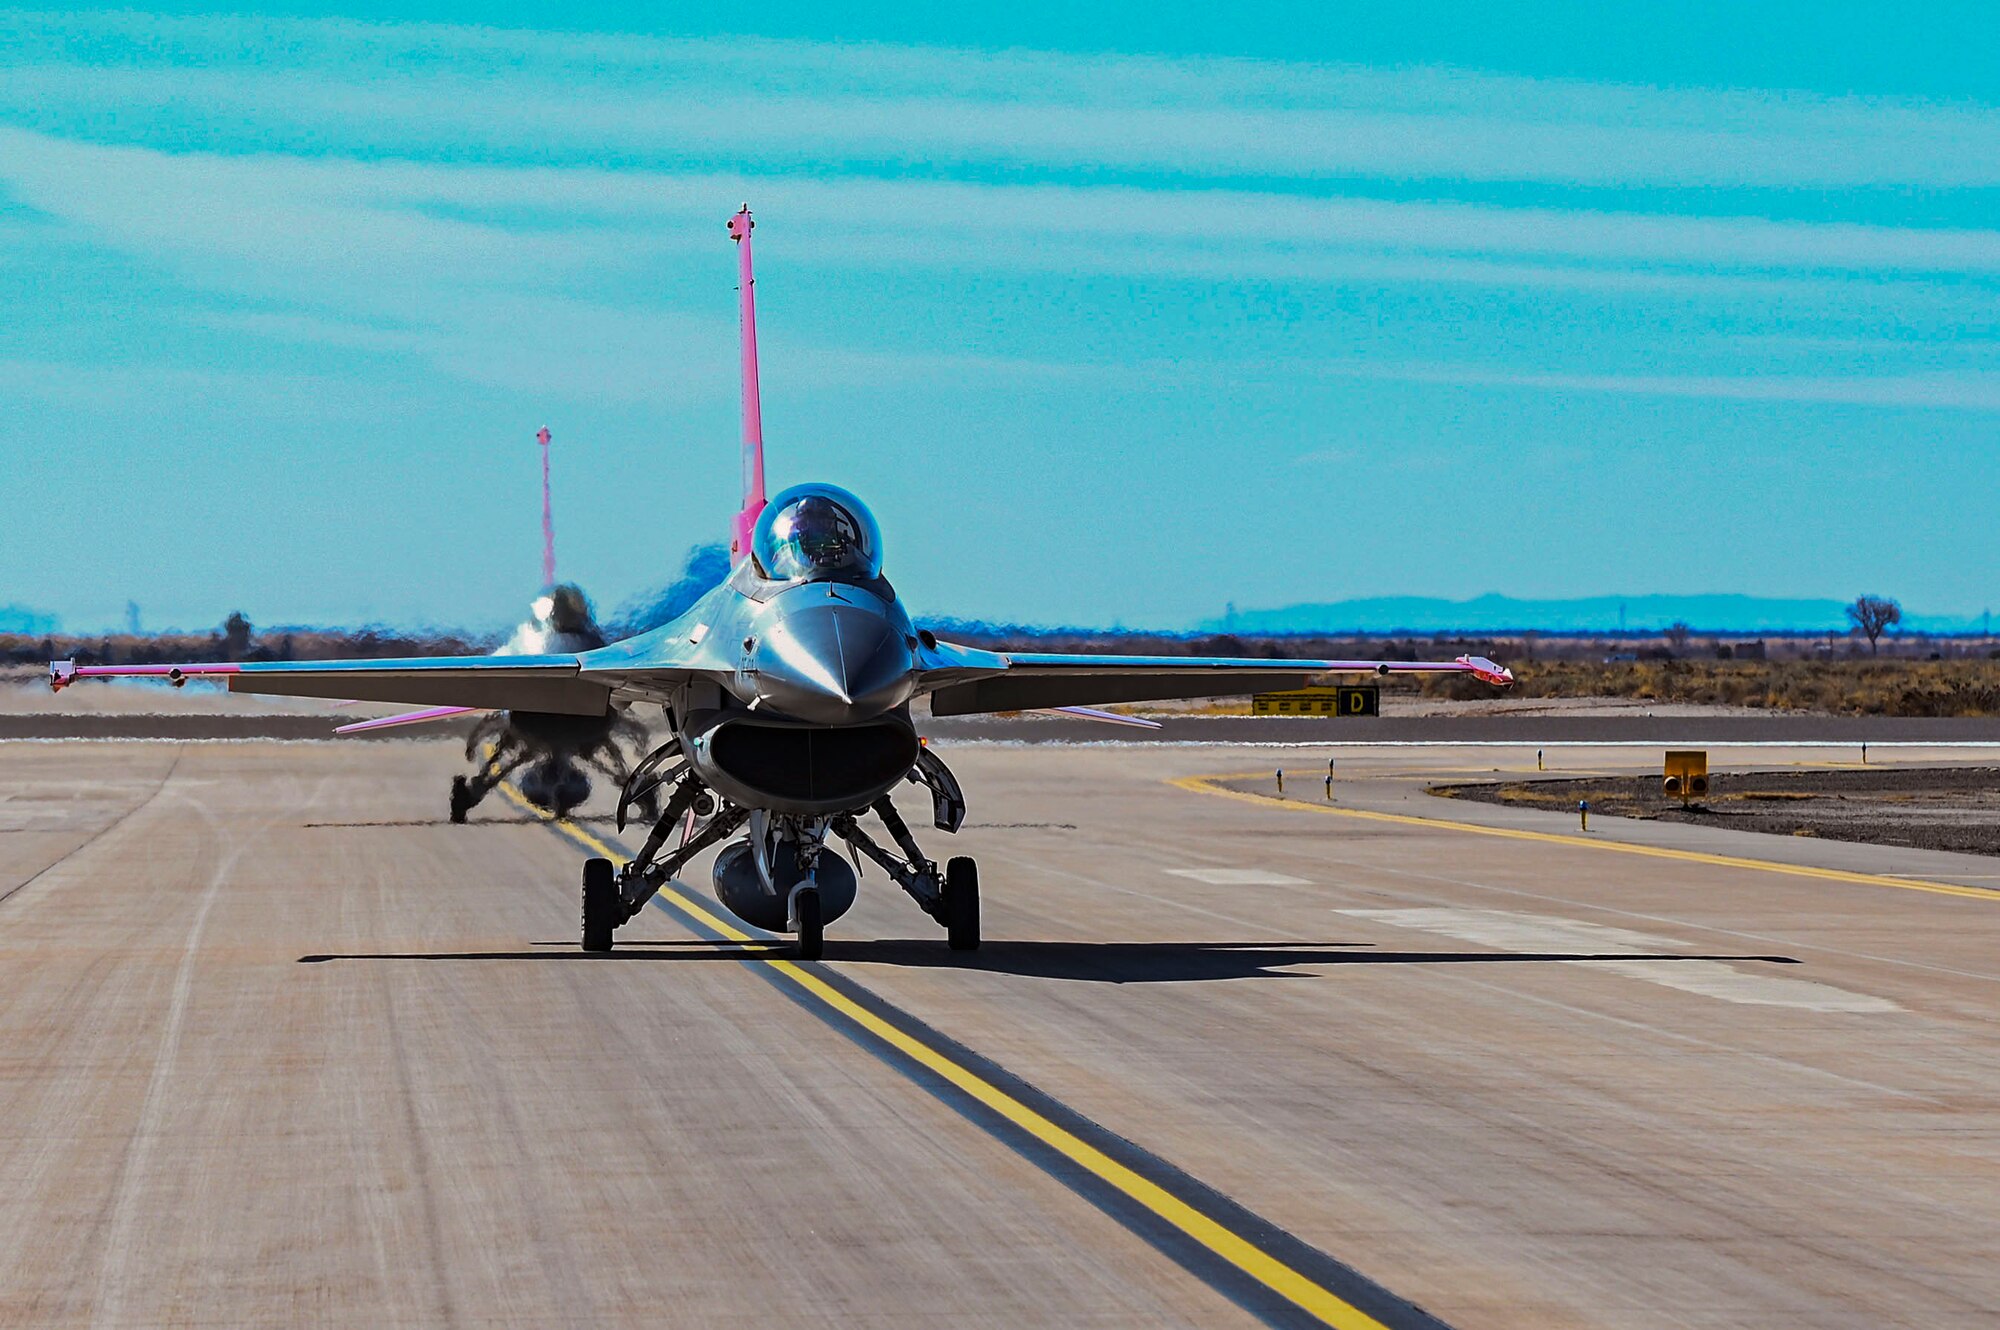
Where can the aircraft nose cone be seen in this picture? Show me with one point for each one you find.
(833, 664)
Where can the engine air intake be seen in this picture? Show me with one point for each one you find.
(848, 764)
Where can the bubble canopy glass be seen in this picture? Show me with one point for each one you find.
(817, 531)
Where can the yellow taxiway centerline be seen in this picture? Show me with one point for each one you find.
(1267, 1270)
(1209, 785)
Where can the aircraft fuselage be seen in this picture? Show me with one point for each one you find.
(813, 716)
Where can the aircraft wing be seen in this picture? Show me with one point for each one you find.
(526, 683)
(1031, 680)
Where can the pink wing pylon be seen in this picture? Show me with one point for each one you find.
(408, 718)
(1107, 717)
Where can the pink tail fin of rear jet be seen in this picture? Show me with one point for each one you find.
(753, 413)
(548, 517)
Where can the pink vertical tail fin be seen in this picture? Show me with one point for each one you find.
(740, 227)
(548, 517)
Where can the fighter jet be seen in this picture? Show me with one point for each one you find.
(550, 752)
(786, 696)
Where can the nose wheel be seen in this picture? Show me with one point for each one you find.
(812, 924)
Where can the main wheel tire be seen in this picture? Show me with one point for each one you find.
(961, 904)
(461, 799)
(601, 905)
(812, 925)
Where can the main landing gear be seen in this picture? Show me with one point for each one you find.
(960, 912)
(950, 897)
(602, 910)
(778, 876)
(462, 798)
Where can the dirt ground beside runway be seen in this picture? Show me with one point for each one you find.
(1935, 808)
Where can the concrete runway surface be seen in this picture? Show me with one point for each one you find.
(279, 1046)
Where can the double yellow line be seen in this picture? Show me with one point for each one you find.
(1213, 785)
(1289, 1283)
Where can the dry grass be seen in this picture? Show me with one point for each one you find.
(1840, 687)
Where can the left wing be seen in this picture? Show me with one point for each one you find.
(1028, 680)
(588, 683)
(526, 683)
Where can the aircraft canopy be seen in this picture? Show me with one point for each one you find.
(817, 532)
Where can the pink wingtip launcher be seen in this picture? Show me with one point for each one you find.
(1487, 671)
(740, 227)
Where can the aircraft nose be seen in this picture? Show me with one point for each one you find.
(833, 664)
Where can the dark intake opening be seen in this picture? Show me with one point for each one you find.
(815, 765)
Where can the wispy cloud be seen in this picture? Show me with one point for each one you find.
(452, 262)
(1966, 391)
(429, 89)
(335, 214)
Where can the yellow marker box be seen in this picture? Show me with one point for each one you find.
(1687, 772)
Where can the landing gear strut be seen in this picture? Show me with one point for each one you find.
(499, 752)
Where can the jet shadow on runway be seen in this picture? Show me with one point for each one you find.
(1191, 962)
(1090, 962)
(498, 820)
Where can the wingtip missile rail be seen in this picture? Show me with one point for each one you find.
(1488, 671)
(63, 673)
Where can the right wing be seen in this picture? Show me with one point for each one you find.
(1032, 681)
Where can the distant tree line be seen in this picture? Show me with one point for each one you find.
(1872, 618)
(238, 640)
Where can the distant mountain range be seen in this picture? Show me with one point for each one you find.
(18, 619)
(1592, 614)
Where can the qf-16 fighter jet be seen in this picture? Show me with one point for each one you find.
(549, 751)
(786, 695)
(549, 757)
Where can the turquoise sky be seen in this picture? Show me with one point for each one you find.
(1115, 313)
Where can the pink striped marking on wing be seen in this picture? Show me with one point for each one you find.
(156, 671)
(407, 718)
(1092, 713)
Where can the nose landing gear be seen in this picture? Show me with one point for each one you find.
(808, 922)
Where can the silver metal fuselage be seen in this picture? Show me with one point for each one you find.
(802, 704)
(819, 652)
